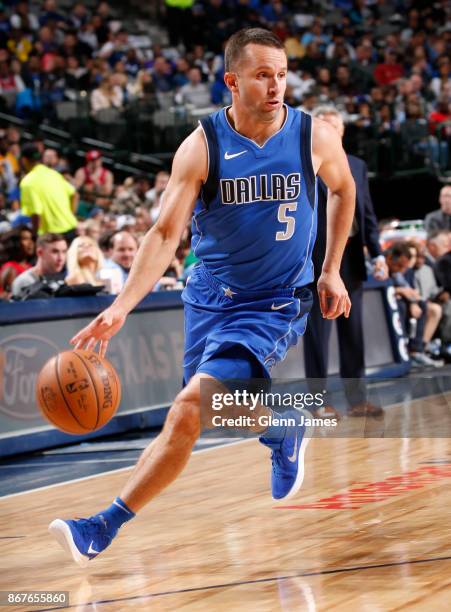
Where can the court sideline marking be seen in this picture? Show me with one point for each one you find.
(225, 585)
(130, 467)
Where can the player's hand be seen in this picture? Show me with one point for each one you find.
(333, 296)
(100, 330)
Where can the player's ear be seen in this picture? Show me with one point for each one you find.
(231, 81)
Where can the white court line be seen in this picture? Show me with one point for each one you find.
(59, 484)
(66, 463)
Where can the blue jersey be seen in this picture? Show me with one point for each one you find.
(254, 224)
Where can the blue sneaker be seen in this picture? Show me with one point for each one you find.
(287, 456)
(83, 538)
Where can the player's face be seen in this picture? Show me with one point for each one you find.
(261, 80)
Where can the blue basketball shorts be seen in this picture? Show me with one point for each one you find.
(232, 334)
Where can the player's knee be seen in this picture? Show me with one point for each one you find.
(184, 417)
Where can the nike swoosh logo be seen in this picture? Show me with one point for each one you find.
(294, 456)
(274, 307)
(93, 551)
(232, 155)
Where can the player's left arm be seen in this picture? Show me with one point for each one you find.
(331, 164)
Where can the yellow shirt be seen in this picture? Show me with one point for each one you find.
(45, 192)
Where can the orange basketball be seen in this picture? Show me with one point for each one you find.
(78, 391)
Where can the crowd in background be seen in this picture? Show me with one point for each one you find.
(421, 274)
(384, 64)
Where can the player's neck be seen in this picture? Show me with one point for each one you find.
(249, 126)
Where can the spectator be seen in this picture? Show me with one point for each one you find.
(440, 219)
(51, 250)
(161, 181)
(95, 183)
(195, 92)
(92, 229)
(123, 250)
(84, 262)
(442, 265)
(8, 181)
(162, 75)
(433, 310)
(441, 84)
(412, 309)
(19, 251)
(47, 197)
(426, 284)
(390, 70)
(51, 159)
(108, 95)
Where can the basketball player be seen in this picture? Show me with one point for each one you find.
(247, 177)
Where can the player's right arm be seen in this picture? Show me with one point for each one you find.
(189, 171)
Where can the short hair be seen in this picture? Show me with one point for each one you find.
(326, 109)
(398, 250)
(48, 238)
(238, 41)
(437, 233)
(30, 151)
(122, 231)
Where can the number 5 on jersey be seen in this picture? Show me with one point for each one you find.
(284, 217)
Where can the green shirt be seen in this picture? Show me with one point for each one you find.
(182, 4)
(46, 193)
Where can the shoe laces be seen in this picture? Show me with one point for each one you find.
(278, 463)
(95, 527)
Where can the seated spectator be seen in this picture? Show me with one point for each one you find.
(8, 180)
(442, 266)
(433, 309)
(92, 229)
(440, 84)
(51, 251)
(195, 92)
(19, 251)
(95, 183)
(440, 115)
(429, 290)
(123, 250)
(51, 159)
(84, 262)
(162, 75)
(390, 70)
(440, 219)
(107, 95)
(413, 311)
(154, 194)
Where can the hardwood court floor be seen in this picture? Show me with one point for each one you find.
(369, 531)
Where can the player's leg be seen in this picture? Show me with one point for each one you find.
(159, 465)
(285, 433)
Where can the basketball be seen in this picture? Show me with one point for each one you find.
(78, 391)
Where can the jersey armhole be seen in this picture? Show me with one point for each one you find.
(307, 157)
(210, 187)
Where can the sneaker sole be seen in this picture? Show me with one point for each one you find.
(61, 531)
(300, 477)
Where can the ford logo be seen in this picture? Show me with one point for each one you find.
(21, 358)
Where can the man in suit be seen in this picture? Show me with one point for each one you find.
(364, 233)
